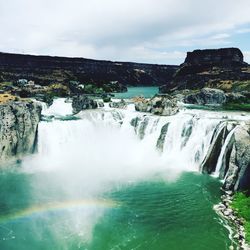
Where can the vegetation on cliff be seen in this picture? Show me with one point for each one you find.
(241, 204)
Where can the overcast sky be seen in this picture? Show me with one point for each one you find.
(154, 31)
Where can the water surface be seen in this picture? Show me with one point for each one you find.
(146, 92)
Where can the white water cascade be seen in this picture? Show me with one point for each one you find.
(111, 144)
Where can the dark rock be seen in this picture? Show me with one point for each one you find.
(100, 104)
(215, 68)
(206, 96)
(106, 98)
(113, 87)
(82, 102)
(225, 56)
(209, 163)
(161, 139)
(239, 97)
(76, 87)
(46, 70)
(44, 98)
(121, 104)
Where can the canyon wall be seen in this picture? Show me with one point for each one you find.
(45, 70)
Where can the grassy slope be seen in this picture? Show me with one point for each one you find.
(241, 204)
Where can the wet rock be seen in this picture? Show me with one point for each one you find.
(120, 105)
(18, 128)
(206, 96)
(82, 102)
(238, 174)
(209, 163)
(100, 104)
(158, 105)
(161, 139)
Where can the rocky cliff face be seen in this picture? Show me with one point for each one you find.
(45, 70)
(229, 155)
(226, 56)
(18, 129)
(215, 68)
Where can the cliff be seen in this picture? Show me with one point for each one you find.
(225, 56)
(18, 128)
(214, 68)
(230, 148)
(44, 70)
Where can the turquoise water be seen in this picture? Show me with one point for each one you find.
(146, 92)
(148, 214)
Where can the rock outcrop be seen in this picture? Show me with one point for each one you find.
(227, 101)
(83, 102)
(231, 146)
(238, 173)
(120, 105)
(159, 105)
(206, 96)
(18, 129)
(214, 68)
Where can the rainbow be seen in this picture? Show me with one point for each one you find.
(57, 206)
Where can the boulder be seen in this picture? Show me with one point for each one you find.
(238, 97)
(120, 105)
(206, 96)
(159, 105)
(83, 102)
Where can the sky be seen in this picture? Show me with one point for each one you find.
(150, 31)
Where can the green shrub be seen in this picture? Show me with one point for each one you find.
(241, 203)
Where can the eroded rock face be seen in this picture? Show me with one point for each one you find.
(206, 96)
(158, 105)
(18, 129)
(235, 161)
(214, 56)
(82, 102)
(238, 174)
(209, 163)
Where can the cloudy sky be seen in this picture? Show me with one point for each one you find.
(153, 31)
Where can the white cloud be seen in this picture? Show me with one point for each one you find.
(243, 31)
(137, 30)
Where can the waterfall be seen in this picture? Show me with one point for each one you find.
(59, 108)
(223, 153)
(122, 143)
